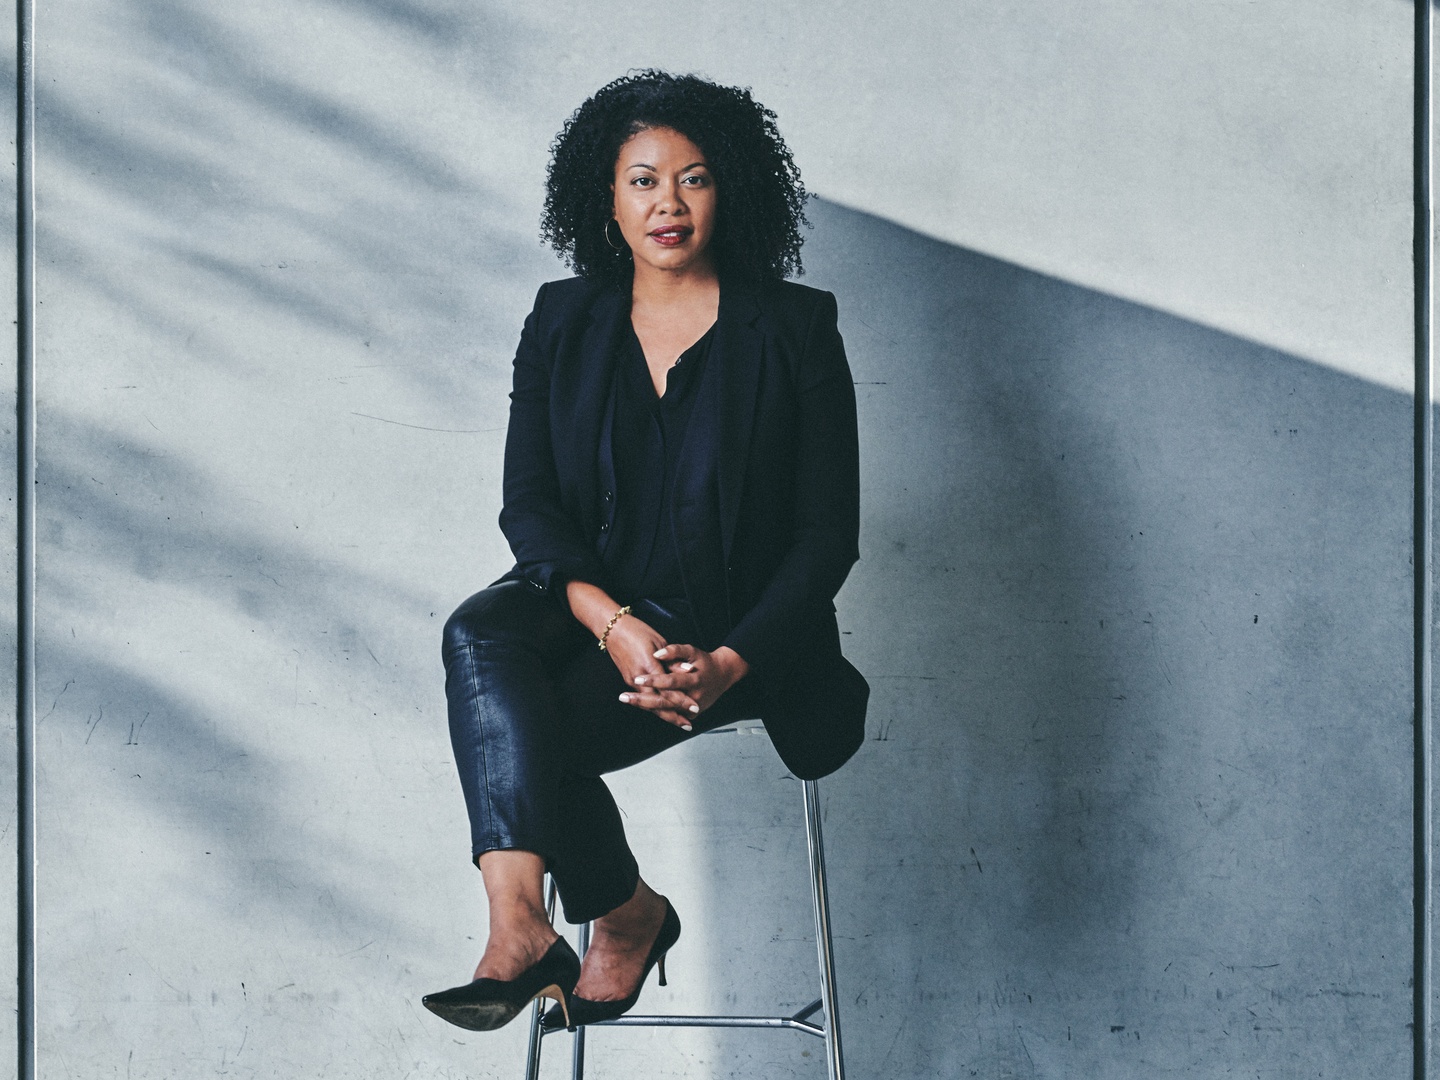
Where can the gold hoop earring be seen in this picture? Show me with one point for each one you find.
(620, 247)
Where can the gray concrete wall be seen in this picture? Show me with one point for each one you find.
(1125, 289)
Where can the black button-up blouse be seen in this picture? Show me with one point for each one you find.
(648, 434)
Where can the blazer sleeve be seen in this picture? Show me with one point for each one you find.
(798, 597)
(547, 542)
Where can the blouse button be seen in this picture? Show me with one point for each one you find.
(604, 526)
(607, 496)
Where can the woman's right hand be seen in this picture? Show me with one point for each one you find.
(632, 644)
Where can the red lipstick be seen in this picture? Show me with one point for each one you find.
(671, 235)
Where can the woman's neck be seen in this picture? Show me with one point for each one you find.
(658, 289)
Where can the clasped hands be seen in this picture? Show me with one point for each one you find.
(675, 682)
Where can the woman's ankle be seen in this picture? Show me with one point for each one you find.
(521, 923)
(510, 949)
(636, 917)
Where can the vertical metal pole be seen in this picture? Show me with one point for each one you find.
(577, 1048)
(25, 536)
(1424, 538)
(819, 886)
(537, 1011)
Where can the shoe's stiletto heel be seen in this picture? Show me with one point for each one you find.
(583, 1011)
(559, 998)
(486, 1004)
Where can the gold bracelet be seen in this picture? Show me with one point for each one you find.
(611, 625)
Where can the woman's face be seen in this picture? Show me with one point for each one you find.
(665, 201)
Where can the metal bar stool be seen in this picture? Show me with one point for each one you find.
(800, 1021)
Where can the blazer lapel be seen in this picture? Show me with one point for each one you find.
(579, 394)
(737, 352)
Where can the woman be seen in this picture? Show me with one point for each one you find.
(682, 490)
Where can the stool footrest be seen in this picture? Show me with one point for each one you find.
(809, 1010)
(798, 1022)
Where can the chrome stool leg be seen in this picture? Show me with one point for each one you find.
(819, 888)
(532, 1059)
(800, 1021)
(577, 1045)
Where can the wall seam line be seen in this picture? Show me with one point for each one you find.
(25, 538)
(1423, 550)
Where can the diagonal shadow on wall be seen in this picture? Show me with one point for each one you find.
(1134, 602)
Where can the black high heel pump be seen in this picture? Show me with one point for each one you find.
(584, 1011)
(487, 1004)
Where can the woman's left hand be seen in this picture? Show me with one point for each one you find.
(701, 676)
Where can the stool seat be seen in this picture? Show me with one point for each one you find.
(799, 1021)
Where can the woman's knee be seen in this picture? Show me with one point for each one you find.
(508, 613)
(488, 616)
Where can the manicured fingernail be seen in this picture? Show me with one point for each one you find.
(694, 708)
(687, 666)
(686, 727)
(625, 698)
(639, 680)
(657, 653)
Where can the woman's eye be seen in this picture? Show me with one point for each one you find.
(642, 181)
(695, 180)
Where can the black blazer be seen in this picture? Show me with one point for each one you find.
(767, 531)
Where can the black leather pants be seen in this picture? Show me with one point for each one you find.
(535, 719)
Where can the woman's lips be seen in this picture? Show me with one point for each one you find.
(671, 236)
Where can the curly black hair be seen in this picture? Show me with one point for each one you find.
(760, 199)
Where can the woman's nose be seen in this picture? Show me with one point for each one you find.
(672, 199)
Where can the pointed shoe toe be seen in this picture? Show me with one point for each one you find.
(487, 1004)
